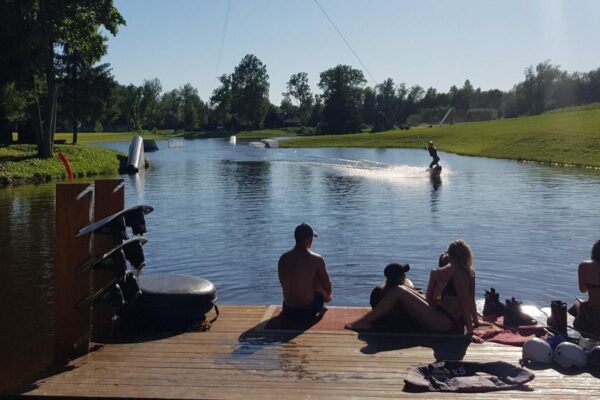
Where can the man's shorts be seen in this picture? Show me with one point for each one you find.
(308, 311)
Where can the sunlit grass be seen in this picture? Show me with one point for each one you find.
(95, 137)
(566, 137)
(19, 163)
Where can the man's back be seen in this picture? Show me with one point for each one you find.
(301, 274)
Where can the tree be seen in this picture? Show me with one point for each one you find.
(249, 89)
(220, 102)
(386, 103)
(191, 107)
(34, 32)
(299, 90)
(86, 91)
(369, 108)
(150, 91)
(170, 110)
(342, 98)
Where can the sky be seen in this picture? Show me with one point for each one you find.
(433, 43)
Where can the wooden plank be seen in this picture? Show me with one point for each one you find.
(234, 362)
(109, 199)
(72, 325)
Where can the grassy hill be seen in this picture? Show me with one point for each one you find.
(565, 136)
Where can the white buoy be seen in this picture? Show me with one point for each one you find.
(232, 139)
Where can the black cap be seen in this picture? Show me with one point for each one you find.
(303, 232)
(394, 271)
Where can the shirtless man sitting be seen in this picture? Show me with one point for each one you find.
(303, 277)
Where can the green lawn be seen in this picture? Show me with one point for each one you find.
(94, 137)
(19, 164)
(568, 136)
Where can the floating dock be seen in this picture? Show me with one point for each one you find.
(238, 358)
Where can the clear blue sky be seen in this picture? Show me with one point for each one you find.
(426, 42)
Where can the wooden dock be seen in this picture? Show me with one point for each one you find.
(235, 360)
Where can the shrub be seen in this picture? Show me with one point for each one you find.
(481, 114)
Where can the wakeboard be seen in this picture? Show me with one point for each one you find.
(115, 223)
(436, 171)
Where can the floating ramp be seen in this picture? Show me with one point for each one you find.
(257, 145)
(136, 160)
(271, 143)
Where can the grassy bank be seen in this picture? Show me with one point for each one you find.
(568, 136)
(248, 135)
(96, 137)
(19, 164)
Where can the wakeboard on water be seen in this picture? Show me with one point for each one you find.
(435, 171)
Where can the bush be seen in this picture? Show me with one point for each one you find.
(414, 120)
(481, 114)
(433, 115)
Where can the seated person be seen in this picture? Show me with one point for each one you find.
(454, 313)
(397, 320)
(437, 280)
(395, 274)
(303, 277)
(587, 313)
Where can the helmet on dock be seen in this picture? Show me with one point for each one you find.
(569, 355)
(538, 351)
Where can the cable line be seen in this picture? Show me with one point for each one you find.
(225, 25)
(345, 41)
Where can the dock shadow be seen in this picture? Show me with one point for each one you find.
(445, 347)
(274, 330)
(55, 369)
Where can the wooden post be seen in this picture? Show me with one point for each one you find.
(72, 324)
(109, 199)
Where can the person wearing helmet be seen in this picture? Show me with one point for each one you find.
(587, 313)
(433, 153)
(455, 311)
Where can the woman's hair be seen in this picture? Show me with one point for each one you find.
(443, 260)
(596, 251)
(460, 253)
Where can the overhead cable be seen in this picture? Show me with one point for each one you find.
(345, 41)
(225, 26)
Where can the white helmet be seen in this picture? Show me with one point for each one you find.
(569, 355)
(537, 350)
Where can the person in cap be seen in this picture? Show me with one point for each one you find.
(395, 274)
(433, 153)
(303, 276)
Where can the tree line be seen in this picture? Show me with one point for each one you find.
(95, 101)
(50, 79)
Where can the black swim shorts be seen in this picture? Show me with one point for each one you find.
(308, 311)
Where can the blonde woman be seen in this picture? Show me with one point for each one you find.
(453, 313)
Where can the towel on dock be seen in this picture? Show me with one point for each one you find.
(463, 376)
(509, 335)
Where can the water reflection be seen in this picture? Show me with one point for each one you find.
(26, 239)
(436, 184)
(227, 213)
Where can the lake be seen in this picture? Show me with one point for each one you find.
(227, 212)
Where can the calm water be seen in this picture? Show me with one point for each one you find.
(227, 212)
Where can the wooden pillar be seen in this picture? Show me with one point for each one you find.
(109, 199)
(72, 324)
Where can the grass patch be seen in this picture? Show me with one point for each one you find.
(96, 137)
(567, 137)
(19, 163)
(249, 135)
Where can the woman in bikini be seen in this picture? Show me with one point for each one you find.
(451, 313)
(588, 312)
